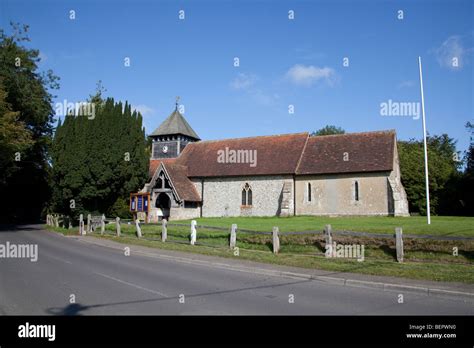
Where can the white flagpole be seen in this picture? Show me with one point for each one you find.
(428, 214)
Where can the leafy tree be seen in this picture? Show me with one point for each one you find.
(15, 138)
(27, 93)
(469, 155)
(443, 171)
(328, 130)
(98, 161)
(461, 200)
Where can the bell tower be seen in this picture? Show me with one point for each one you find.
(172, 136)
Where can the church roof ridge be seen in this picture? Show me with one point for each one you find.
(251, 137)
(383, 131)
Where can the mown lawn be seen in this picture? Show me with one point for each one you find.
(440, 225)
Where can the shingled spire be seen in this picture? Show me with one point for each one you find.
(175, 124)
(170, 138)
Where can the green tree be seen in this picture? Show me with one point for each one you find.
(15, 138)
(469, 155)
(443, 172)
(27, 92)
(98, 161)
(328, 130)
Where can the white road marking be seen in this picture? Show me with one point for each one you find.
(131, 284)
(57, 258)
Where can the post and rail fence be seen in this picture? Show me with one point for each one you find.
(92, 223)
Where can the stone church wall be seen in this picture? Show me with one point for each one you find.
(223, 196)
(399, 204)
(335, 194)
(182, 213)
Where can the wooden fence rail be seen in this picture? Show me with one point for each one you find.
(94, 222)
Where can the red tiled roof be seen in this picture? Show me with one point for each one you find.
(367, 152)
(155, 163)
(184, 187)
(276, 154)
(282, 154)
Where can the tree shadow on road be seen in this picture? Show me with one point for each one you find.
(19, 227)
(78, 309)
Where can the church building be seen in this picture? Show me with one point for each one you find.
(276, 175)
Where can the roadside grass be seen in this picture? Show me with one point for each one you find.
(424, 259)
(375, 248)
(440, 225)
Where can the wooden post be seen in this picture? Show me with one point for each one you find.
(139, 230)
(276, 240)
(164, 230)
(102, 224)
(233, 236)
(193, 232)
(117, 225)
(81, 225)
(328, 239)
(399, 243)
(47, 219)
(88, 229)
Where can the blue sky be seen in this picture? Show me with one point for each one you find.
(282, 62)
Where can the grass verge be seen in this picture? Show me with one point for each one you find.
(437, 265)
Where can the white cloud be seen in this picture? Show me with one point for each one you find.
(263, 98)
(406, 84)
(452, 54)
(144, 109)
(248, 84)
(303, 75)
(243, 81)
(43, 57)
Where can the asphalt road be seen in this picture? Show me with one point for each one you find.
(105, 281)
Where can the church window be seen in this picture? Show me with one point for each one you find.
(309, 192)
(356, 191)
(247, 195)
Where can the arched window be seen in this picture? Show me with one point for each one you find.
(309, 192)
(247, 195)
(356, 191)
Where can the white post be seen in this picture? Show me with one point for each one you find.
(164, 231)
(102, 224)
(233, 236)
(399, 243)
(276, 240)
(328, 239)
(88, 229)
(428, 214)
(139, 230)
(117, 225)
(81, 225)
(193, 232)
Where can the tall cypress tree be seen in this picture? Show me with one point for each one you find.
(98, 162)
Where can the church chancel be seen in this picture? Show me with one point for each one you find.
(276, 175)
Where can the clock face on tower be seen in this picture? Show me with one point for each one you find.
(165, 149)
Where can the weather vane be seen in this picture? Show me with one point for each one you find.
(177, 101)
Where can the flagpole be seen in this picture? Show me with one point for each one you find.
(428, 214)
